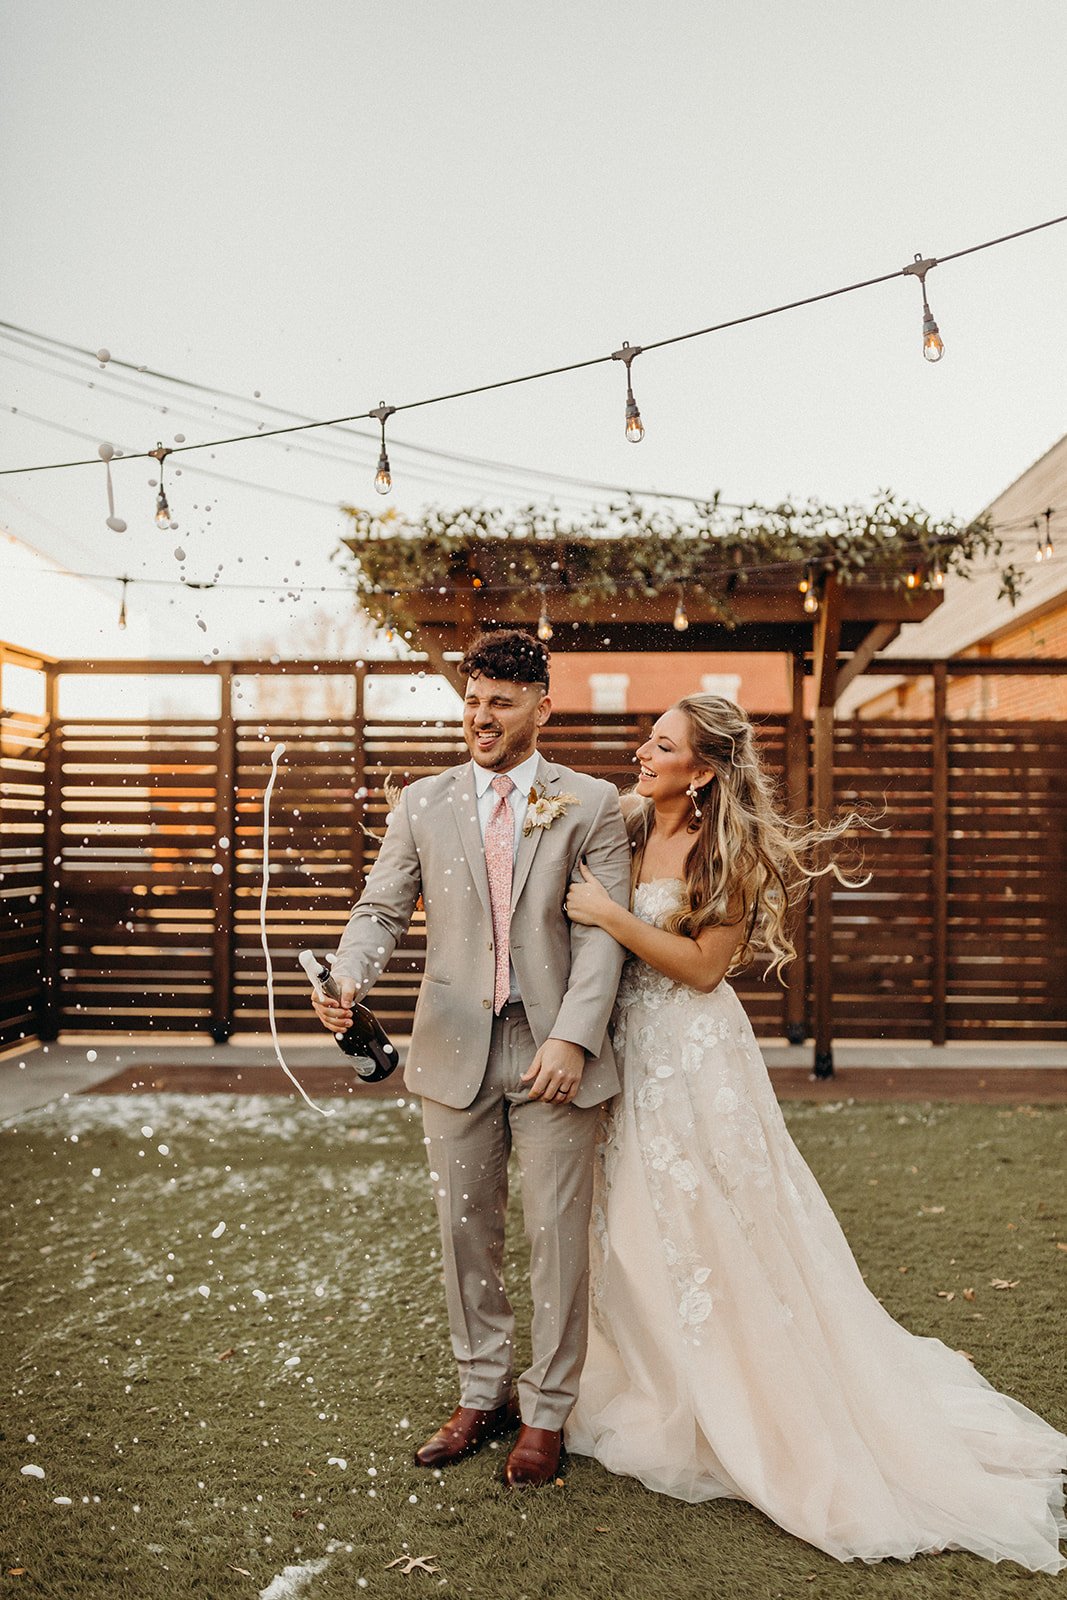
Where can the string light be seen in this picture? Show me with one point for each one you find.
(914, 576)
(937, 573)
(681, 621)
(1039, 548)
(122, 604)
(933, 344)
(635, 428)
(933, 349)
(383, 478)
(163, 517)
(808, 587)
(1047, 551)
(545, 629)
(106, 453)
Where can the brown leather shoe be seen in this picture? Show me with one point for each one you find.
(465, 1432)
(534, 1458)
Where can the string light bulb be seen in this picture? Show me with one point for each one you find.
(807, 581)
(635, 428)
(389, 629)
(811, 601)
(122, 604)
(1047, 549)
(1039, 548)
(545, 629)
(914, 577)
(383, 478)
(937, 574)
(933, 344)
(681, 620)
(163, 516)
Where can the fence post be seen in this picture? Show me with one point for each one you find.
(939, 857)
(357, 846)
(225, 858)
(795, 997)
(52, 877)
(826, 642)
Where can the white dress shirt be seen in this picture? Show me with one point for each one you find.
(522, 777)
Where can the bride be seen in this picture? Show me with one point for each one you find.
(735, 1348)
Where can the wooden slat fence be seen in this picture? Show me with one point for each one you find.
(1007, 880)
(155, 895)
(22, 873)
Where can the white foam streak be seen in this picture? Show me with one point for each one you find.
(275, 756)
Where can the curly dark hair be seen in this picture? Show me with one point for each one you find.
(510, 654)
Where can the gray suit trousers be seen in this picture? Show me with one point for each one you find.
(468, 1152)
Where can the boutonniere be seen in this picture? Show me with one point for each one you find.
(542, 809)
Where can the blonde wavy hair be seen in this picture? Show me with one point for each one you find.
(748, 863)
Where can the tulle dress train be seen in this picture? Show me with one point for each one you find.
(734, 1346)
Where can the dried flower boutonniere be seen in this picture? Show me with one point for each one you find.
(542, 809)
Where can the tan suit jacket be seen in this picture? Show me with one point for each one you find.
(567, 974)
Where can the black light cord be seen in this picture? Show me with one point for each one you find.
(552, 372)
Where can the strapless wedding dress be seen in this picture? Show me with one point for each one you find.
(734, 1347)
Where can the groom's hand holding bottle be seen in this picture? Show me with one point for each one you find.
(555, 1073)
(335, 1014)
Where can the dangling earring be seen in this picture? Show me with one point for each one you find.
(692, 793)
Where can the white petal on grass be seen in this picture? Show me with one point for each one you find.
(203, 1289)
(217, 1233)
(33, 1472)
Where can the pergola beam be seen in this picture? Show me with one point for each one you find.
(745, 604)
(880, 635)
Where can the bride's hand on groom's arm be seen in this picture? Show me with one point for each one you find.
(555, 1073)
(588, 902)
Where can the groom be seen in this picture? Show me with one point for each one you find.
(509, 1044)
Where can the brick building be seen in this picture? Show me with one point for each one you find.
(974, 622)
(629, 681)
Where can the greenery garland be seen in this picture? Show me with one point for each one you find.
(632, 552)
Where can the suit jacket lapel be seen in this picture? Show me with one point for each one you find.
(547, 777)
(463, 799)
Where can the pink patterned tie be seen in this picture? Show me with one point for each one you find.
(499, 862)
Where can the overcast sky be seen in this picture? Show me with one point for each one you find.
(338, 203)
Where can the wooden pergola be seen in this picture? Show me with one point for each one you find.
(834, 645)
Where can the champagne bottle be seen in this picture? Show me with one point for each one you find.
(374, 1057)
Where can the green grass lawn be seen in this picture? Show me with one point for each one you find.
(211, 1406)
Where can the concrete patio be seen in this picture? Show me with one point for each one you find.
(39, 1074)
